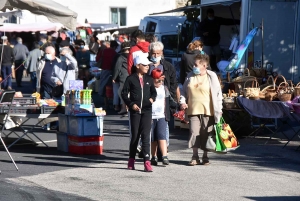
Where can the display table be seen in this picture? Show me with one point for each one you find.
(273, 110)
(40, 117)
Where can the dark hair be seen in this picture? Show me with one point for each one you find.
(202, 57)
(210, 11)
(141, 36)
(135, 33)
(113, 44)
(58, 40)
(68, 39)
(82, 42)
(150, 38)
(36, 45)
(125, 46)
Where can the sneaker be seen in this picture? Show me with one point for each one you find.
(194, 161)
(154, 161)
(148, 167)
(131, 164)
(165, 160)
(9, 88)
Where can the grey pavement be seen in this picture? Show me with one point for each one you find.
(255, 171)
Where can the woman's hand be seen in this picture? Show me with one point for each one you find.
(151, 100)
(183, 106)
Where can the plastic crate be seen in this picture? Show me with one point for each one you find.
(86, 126)
(63, 123)
(53, 109)
(21, 110)
(91, 145)
(62, 141)
(25, 100)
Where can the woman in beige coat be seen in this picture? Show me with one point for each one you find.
(202, 97)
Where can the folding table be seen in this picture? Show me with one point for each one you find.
(6, 96)
(40, 117)
(265, 110)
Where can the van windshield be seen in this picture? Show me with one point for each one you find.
(170, 45)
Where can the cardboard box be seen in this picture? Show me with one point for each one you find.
(62, 141)
(63, 123)
(75, 84)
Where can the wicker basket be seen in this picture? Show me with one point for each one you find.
(269, 92)
(297, 90)
(239, 82)
(252, 91)
(283, 93)
(230, 103)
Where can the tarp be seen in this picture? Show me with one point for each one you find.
(54, 11)
(103, 27)
(9, 27)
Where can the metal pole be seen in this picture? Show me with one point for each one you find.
(262, 43)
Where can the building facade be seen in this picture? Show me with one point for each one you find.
(123, 13)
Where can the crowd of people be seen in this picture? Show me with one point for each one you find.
(144, 85)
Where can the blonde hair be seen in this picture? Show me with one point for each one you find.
(193, 45)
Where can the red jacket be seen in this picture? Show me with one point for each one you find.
(139, 48)
(107, 58)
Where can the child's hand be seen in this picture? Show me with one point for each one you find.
(151, 100)
(183, 106)
(136, 108)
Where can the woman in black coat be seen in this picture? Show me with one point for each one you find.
(188, 59)
(120, 72)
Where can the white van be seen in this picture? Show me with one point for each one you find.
(165, 29)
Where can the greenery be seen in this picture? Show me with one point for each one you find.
(192, 14)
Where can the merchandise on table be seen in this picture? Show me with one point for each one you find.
(76, 84)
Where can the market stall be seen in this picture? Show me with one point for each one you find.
(80, 124)
(272, 105)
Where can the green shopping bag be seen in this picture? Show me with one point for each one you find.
(225, 138)
(220, 147)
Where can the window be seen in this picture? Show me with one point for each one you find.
(118, 16)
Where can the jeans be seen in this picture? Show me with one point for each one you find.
(19, 72)
(6, 76)
(33, 80)
(116, 100)
(45, 94)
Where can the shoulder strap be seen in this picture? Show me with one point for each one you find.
(65, 74)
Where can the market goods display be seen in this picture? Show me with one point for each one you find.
(253, 91)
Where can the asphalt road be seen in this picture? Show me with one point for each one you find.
(255, 171)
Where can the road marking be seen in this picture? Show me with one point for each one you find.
(34, 142)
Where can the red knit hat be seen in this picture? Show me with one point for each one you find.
(156, 73)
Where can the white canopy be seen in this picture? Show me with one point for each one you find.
(9, 27)
(54, 11)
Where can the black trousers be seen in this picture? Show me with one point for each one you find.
(19, 71)
(140, 126)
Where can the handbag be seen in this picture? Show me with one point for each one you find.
(225, 138)
(213, 144)
(58, 90)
